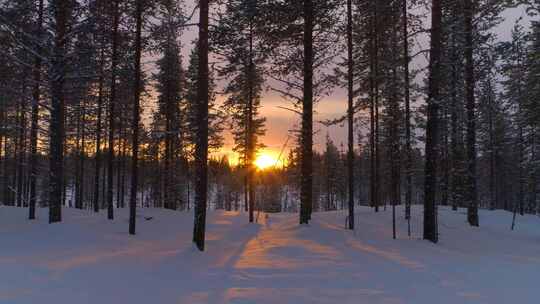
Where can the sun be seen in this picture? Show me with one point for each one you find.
(265, 161)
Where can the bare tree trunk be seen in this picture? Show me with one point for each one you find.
(408, 152)
(201, 146)
(350, 115)
(21, 144)
(137, 86)
(123, 172)
(375, 110)
(492, 153)
(306, 190)
(36, 94)
(112, 101)
(80, 199)
(455, 138)
(430, 209)
(61, 11)
(119, 160)
(444, 155)
(76, 156)
(472, 199)
(98, 134)
(395, 183)
(250, 136)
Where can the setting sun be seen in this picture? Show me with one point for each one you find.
(265, 161)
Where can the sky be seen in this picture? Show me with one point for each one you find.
(279, 122)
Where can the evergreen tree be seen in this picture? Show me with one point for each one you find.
(137, 88)
(201, 144)
(304, 42)
(62, 16)
(171, 88)
(430, 208)
(238, 41)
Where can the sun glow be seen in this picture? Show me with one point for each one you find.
(265, 161)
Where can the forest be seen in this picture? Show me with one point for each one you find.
(408, 171)
(102, 110)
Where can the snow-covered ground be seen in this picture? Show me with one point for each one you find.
(88, 259)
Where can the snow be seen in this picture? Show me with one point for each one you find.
(88, 259)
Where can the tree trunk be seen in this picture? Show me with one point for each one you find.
(137, 86)
(492, 171)
(408, 152)
(123, 172)
(455, 137)
(374, 111)
(97, 165)
(251, 137)
(201, 145)
(21, 144)
(36, 94)
(82, 156)
(472, 200)
(350, 115)
(61, 12)
(430, 208)
(76, 157)
(306, 190)
(112, 101)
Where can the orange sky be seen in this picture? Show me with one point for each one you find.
(280, 122)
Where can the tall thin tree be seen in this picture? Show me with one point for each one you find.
(201, 144)
(61, 12)
(430, 209)
(112, 101)
(407, 95)
(36, 95)
(350, 114)
(306, 188)
(137, 87)
(472, 199)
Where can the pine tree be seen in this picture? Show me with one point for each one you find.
(514, 56)
(61, 12)
(350, 113)
(171, 88)
(472, 196)
(407, 96)
(430, 207)
(115, 13)
(201, 144)
(36, 96)
(304, 42)
(137, 88)
(532, 113)
(237, 39)
(101, 38)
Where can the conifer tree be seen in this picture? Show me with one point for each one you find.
(201, 143)
(238, 41)
(430, 207)
(62, 16)
(304, 42)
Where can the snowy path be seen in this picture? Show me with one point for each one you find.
(88, 259)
